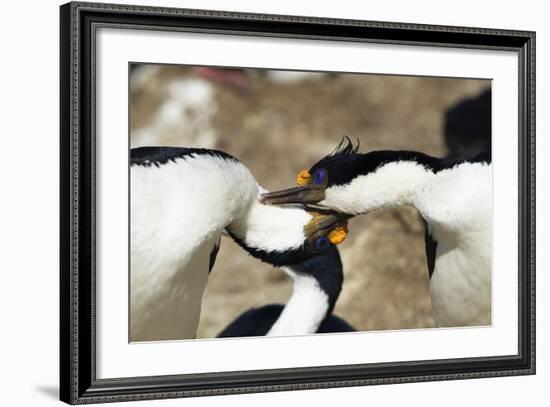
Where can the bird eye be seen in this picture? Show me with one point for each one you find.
(321, 243)
(319, 176)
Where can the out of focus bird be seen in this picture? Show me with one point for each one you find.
(317, 283)
(468, 126)
(453, 196)
(182, 200)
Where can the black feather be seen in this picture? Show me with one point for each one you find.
(345, 163)
(157, 156)
(431, 248)
(258, 322)
(288, 257)
(213, 255)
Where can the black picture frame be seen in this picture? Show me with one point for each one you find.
(78, 382)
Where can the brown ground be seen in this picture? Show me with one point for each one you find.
(276, 130)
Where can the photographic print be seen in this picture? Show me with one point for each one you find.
(280, 203)
(256, 202)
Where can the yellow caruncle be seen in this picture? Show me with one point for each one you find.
(303, 178)
(337, 235)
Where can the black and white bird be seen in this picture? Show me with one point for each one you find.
(317, 283)
(182, 200)
(454, 198)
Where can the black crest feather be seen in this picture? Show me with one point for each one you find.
(344, 152)
(345, 147)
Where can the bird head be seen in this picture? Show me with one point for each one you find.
(352, 183)
(333, 170)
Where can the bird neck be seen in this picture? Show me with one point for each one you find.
(392, 184)
(269, 229)
(306, 309)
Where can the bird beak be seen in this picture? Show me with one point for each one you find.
(327, 223)
(305, 194)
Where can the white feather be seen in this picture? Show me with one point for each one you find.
(391, 185)
(457, 204)
(305, 310)
(178, 213)
(272, 228)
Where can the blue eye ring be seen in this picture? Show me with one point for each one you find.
(319, 176)
(321, 243)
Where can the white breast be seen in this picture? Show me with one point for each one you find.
(460, 287)
(458, 208)
(178, 212)
(166, 303)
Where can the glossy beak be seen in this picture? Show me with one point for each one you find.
(306, 194)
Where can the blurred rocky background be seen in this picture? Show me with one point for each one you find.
(279, 122)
